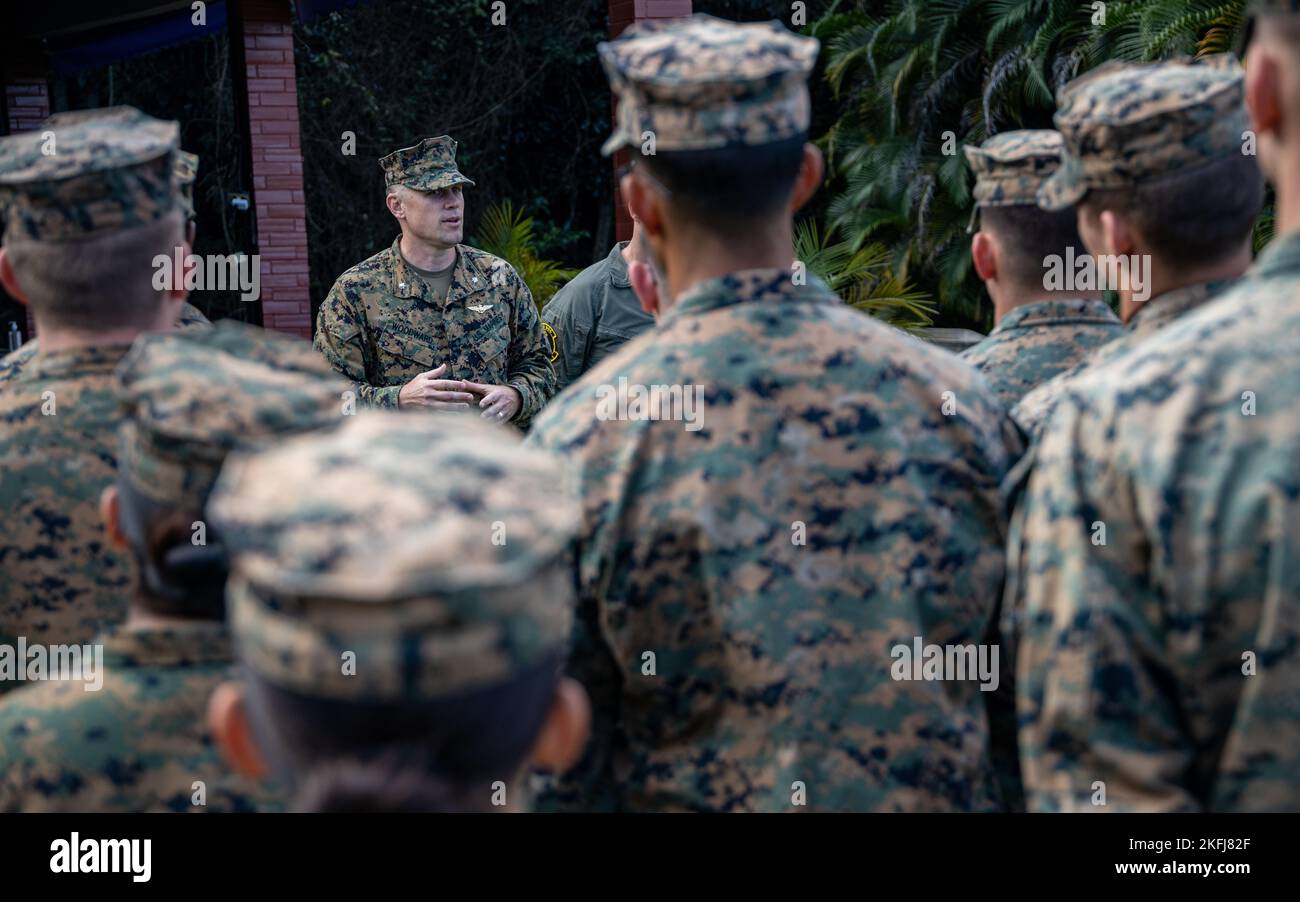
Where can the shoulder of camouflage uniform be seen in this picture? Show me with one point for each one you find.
(13, 363)
(370, 272)
(568, 416)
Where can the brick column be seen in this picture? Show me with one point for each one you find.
(623, 13)
(27, 104)
(263, 31)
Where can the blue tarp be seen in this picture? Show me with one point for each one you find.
(89, 50)
(108, 45)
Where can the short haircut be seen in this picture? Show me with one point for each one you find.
(102, 283)
(722, 190)
(413, 755)
(1027, 236)
(1193, 217)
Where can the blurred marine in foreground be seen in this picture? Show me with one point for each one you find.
(137, 740)
(82, 227)
(401, 626)
(1161, 662)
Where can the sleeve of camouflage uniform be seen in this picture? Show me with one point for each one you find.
(530, 371)
(569, 315)
(1098, 707)
(341, 340)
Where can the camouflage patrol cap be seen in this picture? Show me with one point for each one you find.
(434, 549)
(189, 398)
(1125, 125)
(1010, 168)
(705, 83)
(426, 166)
(83, 174)
(187, 170)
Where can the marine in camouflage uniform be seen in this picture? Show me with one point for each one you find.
(442, 581)
(1108, 118)
(59, 581)
(772, 654)
(141, 741)
(186, 168)
(1158, 667)
(1035, 339)
(593, 316)
(382, 325)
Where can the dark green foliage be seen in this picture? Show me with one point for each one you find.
(915, 80)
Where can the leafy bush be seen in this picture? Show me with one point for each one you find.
(860, 277)
(508, 233)
(915, 80)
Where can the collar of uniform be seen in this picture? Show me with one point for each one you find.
(76, 361)
(465, 275)
(750, 285)
(1160, 310)
(1281, 257)
(618, 276)
(1056, 311)
(176, 645)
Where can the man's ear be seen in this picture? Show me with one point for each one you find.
(8, 278)
(984, 254)
(644, 286)
(110, 511)
(809, 179)
(228, 723)
(1263, 91)
(393, 200)
(177, 291)
(644, 204)
(564, 734)
(1118, 237)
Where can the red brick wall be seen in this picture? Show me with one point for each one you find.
(28, 103)
(266, 32)
(623, 13)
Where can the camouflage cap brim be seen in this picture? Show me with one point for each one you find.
(418, 648)
(1010, 168)
(436, 181)
(1064, 188)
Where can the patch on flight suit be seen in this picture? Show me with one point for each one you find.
(553, 339)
